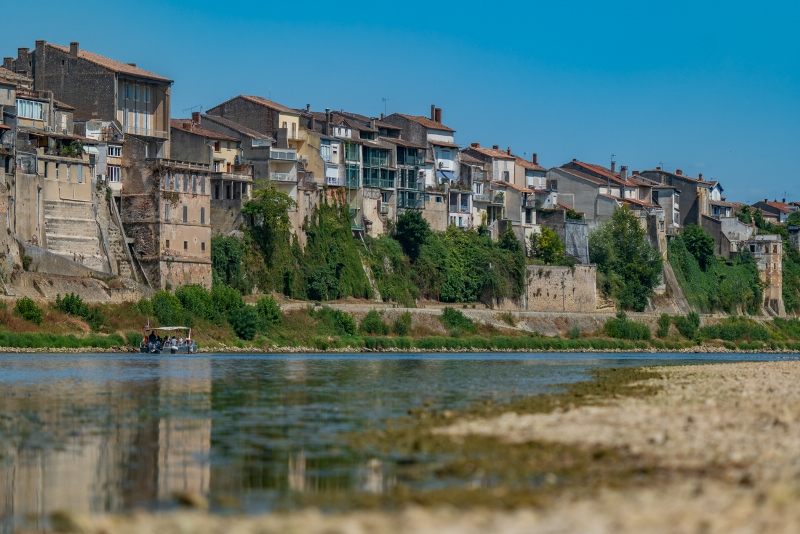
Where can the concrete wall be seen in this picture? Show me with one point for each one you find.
(579, 194)
(436, 213)
(722, 246)
(561, 289)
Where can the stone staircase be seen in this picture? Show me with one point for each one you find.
(115, 247)
(71, 231)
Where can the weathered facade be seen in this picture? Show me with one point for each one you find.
(561, 289)
(694, 198)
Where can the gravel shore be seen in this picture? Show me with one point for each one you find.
(728, 434)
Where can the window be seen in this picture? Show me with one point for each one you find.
(28, 109)
(216, 166)
(203, 185)
(505, 176)
(385, 196)
(136, 92)
(80, 174)
(194, 183)
(438, 200)
(115, 151)
(185, 183)
(45, 168)
(216, 146)
(57, 167)
(203, 245)
(185, 245)
(68, 166)
(167, 244)
(113, 173)
(202, 215)
(186, 214)
(166, 216)
(147, 94)
(479, 189)
(127, 90)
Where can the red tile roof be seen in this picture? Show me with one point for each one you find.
(185, 125)
(491, 152)
(444, 144)
(781, 206)
(235, 126)
(639, 202)
(260, 100)
(525, 164)
(112, 64)
(427, 123)
(605, 172)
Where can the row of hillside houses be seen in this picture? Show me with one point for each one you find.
(75, 124)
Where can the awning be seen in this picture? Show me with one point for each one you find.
(446, 175)
(91, 150)
(4, 127)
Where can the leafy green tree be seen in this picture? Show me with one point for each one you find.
(268, 212)
(700, 244)
(169, 310)
(372, 323)
(226, 262)
(628, 267)
(269, 312)
(794, 217)
(28, 310)
(547, 247)
(745, 214)
(244, 321)
(412, 231)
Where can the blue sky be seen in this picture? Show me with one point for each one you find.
(708, 87)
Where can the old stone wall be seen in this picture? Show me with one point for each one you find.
(254, 116)
(561, 289)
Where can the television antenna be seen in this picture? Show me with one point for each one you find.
(193, 108)
(384, 99)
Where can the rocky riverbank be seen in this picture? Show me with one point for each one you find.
(724, 440)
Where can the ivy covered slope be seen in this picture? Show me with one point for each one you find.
(414, 262)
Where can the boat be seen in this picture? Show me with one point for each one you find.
(160, 340)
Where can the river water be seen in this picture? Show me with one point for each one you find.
(100, 433)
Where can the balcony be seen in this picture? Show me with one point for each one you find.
(410, 161)
(410, 202)
(182, 164)
(335, 181)
(381, 183)
(283, 177)
(531, 202)
(230, 176)
(455, 208)
(301, 135)
(145, 132)
(480, 197)
(383, 210)
(445, 164)
(373, 161)
(283, 155)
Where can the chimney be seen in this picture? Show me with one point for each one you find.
(7, 62)
(783, 200)
(382, 116)
(658, 168)
(766, 200)
(535, 158)
(132, 64)
(475, 145)
(433, 112)
(74, 48)
(187, 125)
(372, 123)
(613, 166)
(308, 108)
(195, 117)
(635, 172)
(700, 176)
(327, 121)
(438, 114)
(574, 159)
(508, 151)
(496, 147)
(623, 173)
(679, 172)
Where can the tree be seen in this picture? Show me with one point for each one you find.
(794, 217)
(269, 216)
(412, 231)
(700, 244)
(547, 247)
(628, 267)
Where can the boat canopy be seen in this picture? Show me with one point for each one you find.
(169, 328)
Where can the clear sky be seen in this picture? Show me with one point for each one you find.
(708, 87)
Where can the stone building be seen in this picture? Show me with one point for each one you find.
(693, 194)
(231, 180)
(768, 252)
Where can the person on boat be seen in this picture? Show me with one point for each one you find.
(174, 341)
(152, 337)
(180, 340)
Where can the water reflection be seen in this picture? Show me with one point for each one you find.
(106, 434)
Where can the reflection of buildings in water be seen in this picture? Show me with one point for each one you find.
(296, 370)
(123, 458)
(184, 443)
(296, 476)
(371, 478)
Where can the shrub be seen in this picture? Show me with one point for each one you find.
(226, 299)
(341, 322)
(198, 301)
(663, 325)
(26, 262)
(73, 304)
(399, 327)
(622, 328)
(134, 339)
(169, 310)
(28, 310)
(736, 329)
(454, 319)
(507, 317)
(372, 323)
(145, 307)
(688, 325)
(269, 312)
(244, 321)
(574, 333)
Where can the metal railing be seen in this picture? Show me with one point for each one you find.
(282, 177)
(480, 197)
(183, 164)
(335, 181)
(382, 183)
(286, 155)
(147, 132)
(411, 203)
(410, 161)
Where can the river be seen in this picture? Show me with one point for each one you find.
(111, 433)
